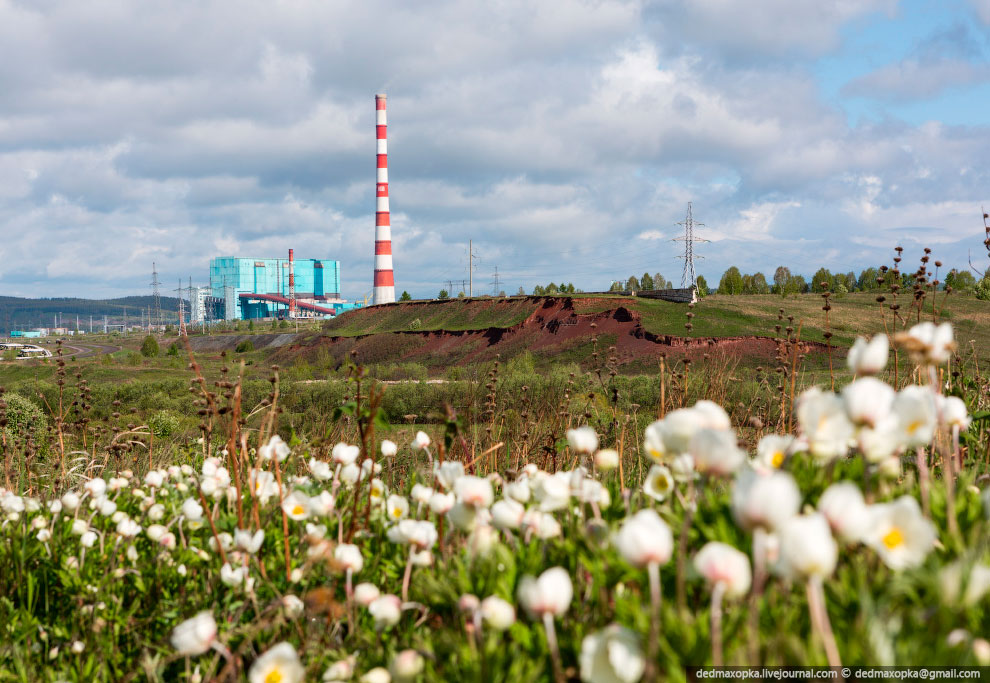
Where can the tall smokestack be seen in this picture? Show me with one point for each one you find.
(292, 286)
(384, 278)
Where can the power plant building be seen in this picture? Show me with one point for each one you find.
(269, 288)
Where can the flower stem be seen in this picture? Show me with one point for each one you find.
(652, 672)
(407, 576)
(716, 627)
(820, 621)
(558, 670)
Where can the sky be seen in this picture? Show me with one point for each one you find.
(564, 138)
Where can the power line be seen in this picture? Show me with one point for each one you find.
(688, 278)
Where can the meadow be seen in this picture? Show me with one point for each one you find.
(539, 517)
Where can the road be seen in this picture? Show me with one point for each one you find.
(85, 350)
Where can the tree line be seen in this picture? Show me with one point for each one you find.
(785, 282)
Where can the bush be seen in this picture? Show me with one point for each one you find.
(983, 289)
(23, 416)
(415, 324)
(149, 347)
(163, 424)
(173, 349)
(244, 346)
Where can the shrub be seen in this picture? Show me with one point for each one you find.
(164, 424)
(173, 349)
(244, 346)
(23, 416)
(983, 289)
(149, 347)
(415, 324)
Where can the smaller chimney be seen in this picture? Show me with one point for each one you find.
(292, 286)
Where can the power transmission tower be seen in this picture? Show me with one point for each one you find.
(182, 308)
(471, 258)
(688, 278)
(156, 296)
(495, 282)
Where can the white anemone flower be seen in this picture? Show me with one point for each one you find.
(606, 459)
(764, 499)
(823, 422)
(952, 412)
(612, 655)
(441, 503)
(296, 506)
(248, 541)
(772, 450)
(582, 440)
(807, 548)
(900, 533)
(386, 611)
(868, 357)
(497, 613)
(421, 494)
(552, 491)
(716, 452)
(344, 454)
(195, 636)
(551, 593)
(447, 473)
(915, 410)
(868, 401)
(519, 490)
(389, 448)
(678, 428)
(349, 557)
(321, 470)
(653, 445)
(421, 442)
(659, 483)
(406, 666)
(279, 665)
(720, 563)
(275, 448)
(366, 593)
(928, 343)
(507, 514)
(474, 491)
(847, 513)
(645, 539)
(397, 507)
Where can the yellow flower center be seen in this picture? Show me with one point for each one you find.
(298, 510)
(913, 427)
(778, 459)
(273, 676)
(893, 538)
(661, 483)
(657, 455)
(396, 512)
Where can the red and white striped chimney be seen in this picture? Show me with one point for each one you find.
(384, 278)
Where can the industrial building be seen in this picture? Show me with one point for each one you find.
(251, 288)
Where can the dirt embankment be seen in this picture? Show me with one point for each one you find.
(228, 342)
(554, 327)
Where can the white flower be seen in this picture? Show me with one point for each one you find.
(928, 343)
(79, 527)
(154, 479)
(720, 563)
(88, 539)
(275, 448)
(447, 473)
(915, 410)
(653, 442)
(377, 675)
(128, 528)
(764, 499)
(497, 613)
(366, 593)
(407, 665)
(78, 647)
(70, 501)
(232, 577)
(678, 428)
(441, 503)
(386, 611)
(341, 670)
(950, 580)
(612, 655)
(348, 556)
(44, 535)
(94, 487)
(552, 491)
(882, 441)
(481, 541)
(321, 470)
(607, 459)
(156, 512)
(296, 506)
(715, 452)
(279, 665)
(807, 547)
(344, 454)
(389, 448)
(155, 532)
(868, 401)
(417, 533)
(322, 504)
(507, 514)
(645, 539)
(518, 490)
(192, 510)
(316, 530)
(421, 494)
(421, 442)
(868, 357)
(772, 450)
(952, 412)
(843, 506)
(293, 606)
(550, 594)
(682, 467)
(463, 516)
(823, 422)
(659, 483)
(900, 534)
(107, 507)
(247, 541)
(474, 491)
(397, 507)
(350, 474)
(370, 467)
(195, 636)
(582, 440)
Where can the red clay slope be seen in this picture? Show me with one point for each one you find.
(554, 327)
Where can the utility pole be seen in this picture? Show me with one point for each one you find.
(470, 270)
(156, 296)
(688, 278)
(495, 282)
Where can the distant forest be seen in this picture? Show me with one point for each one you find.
(23, 314)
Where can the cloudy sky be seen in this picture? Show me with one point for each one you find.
(564, 137)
